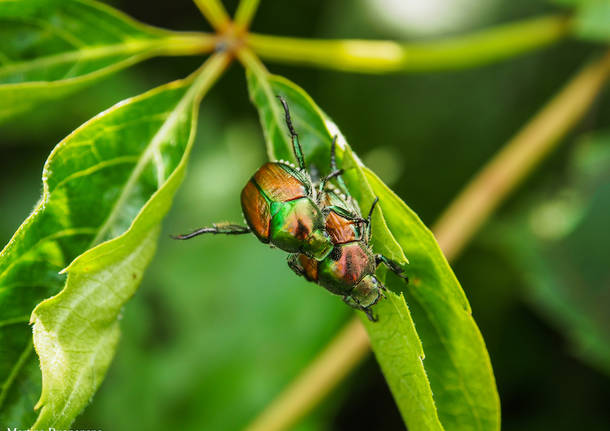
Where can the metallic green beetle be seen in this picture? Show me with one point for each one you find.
(281, 206)
(349, 270)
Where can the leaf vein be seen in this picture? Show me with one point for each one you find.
(171, 121)
(54, 235)
(15, 371)
(94, 168)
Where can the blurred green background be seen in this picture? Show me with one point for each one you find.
(220, 325)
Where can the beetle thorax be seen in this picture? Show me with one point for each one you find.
(298, 226)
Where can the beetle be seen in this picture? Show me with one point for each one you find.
(349, 269)
(281, 206)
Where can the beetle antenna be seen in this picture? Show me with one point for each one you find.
(296, 146)
(333, 165)
(369, 217)
(333, 160)
(372, 208)
(334, 174)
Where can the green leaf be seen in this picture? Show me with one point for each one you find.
(400, 354)
(453, 388)
(106, 188)
(49, 48)
(457, 362)
(560, 243)
(193, 297)
(592, 18)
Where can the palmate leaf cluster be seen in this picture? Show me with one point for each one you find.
(77, 259)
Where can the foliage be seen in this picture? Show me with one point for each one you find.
(459, 354)
(50, 48)
(81, 254)
(108, 184)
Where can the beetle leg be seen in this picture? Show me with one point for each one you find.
(296, 146)
(294, 264)
(227, 229)
(392, 265)
(369, 314)
(354, 303)
(333, 159)
(342, 212)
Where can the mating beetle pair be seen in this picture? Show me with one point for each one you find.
(319, 225)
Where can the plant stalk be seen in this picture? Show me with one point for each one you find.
(367, 56)
(304, 393)
(500, 176)
(458, 224)
(188, 44)
(209, 72)
(250, 61)
(245, 13)
(215, 13)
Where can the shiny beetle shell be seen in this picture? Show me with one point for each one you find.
(343, 269)
(278, 206)
(340, 229)
(349, 269)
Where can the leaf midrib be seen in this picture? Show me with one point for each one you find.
(92, 53)
(53, 236)
(6, 385)
(443, 340)
(262, 79)
(153, 147)
(465, 390)
(401, 314)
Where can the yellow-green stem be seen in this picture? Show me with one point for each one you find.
(368, 56)
(500, 176)
(245, 12)
(188, 44)
(209, 73)
(215, 13)
(251, 62)
(304, 392)
(453, 231)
